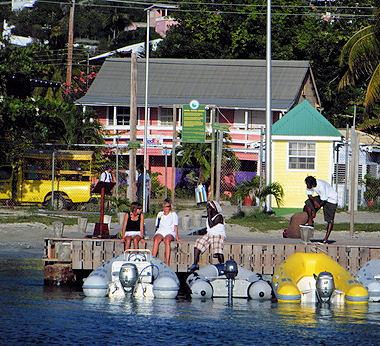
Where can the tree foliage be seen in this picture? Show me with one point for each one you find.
(361, 55)
(298, 33)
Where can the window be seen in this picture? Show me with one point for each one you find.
(301, 155)
(122, 115)
(166, 116)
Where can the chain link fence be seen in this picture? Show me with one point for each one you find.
(63, 178)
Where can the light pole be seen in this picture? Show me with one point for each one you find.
(146, 119)
(268, 107)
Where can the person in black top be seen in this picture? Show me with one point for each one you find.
(133, 227)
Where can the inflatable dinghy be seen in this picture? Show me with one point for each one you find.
(296, 280)
(135, 272)
(211, 282)
(369, 276)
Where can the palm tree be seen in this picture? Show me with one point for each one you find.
(199, 155)
(362, 55)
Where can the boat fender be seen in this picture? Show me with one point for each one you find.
(201, 289)
(260, 290)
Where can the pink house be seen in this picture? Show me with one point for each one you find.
(234, 88)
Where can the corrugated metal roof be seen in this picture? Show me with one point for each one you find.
(304, 120)
(224, 83)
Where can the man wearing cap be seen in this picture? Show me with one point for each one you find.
(214, 237)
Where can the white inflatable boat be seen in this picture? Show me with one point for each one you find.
(369, 276)
(211, 282)
(135, 272)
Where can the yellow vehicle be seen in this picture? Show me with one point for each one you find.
(64, 175)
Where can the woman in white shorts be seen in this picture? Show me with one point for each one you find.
(133, 227)
(166, 229)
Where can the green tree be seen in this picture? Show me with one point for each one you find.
(198, 155)
(361, 54)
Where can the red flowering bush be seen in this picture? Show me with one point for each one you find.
(79, 84)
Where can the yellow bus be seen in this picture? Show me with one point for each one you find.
(64, 175)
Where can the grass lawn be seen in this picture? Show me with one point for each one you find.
(260, 222)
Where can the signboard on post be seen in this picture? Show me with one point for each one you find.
(194, 123)
(221, 127)
(133, 145)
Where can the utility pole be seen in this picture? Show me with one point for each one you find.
(173, 152)
(70, 45)
(212, 177)
(268, 107)
(133, 129)
(219, 153)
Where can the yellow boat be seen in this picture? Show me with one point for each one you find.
(293, 281)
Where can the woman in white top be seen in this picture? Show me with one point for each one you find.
(166, 229)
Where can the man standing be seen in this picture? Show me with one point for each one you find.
(326, 197)
(216, 233)
(140, 188)
(106, 176)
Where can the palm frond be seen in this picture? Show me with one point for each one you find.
(351, 42)
(373, 90)
(275, 189)
(346, 80)
(364, 55)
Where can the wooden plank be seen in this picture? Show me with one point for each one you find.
(247, 257)
(257, 258)
(268, 259)
(332, 252)
(343, 256)
(109, 250)
(374, 253)
(353, 260)
(98, 253)
(278, 255)
(185, 256)
(235, 250)
(289, 250)
(364, 256)
(87, 255)
(76, 254)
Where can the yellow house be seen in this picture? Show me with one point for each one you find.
(303, 143)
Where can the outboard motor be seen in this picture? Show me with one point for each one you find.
(128, 276)
(324, 286)
(230, 271)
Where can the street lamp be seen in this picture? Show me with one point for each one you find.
(268, 107)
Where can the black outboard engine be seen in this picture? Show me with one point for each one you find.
(324, 287)
(128, 276)
(230, 271)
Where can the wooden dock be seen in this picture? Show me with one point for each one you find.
(65, 259)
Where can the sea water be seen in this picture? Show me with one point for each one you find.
(31, 313)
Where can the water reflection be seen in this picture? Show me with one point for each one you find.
(39, 315)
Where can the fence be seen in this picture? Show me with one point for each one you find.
(56, 174)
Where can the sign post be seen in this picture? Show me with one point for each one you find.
(194, 123)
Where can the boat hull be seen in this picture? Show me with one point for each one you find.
(208, 283)
(369, 276)
(155, 278)
(293, 281)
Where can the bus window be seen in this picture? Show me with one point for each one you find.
(5, 172)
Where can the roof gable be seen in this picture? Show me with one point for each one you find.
(304, 120)
(224, 83)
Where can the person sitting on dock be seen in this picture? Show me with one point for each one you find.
(166, 229)
(133, 227)
(326, 197)
(214, 237)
